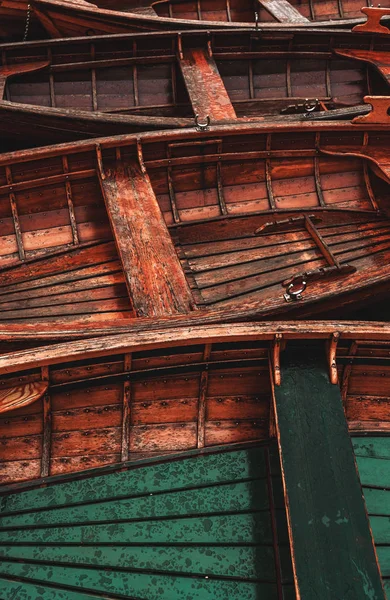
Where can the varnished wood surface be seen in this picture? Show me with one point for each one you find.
(68, 19)
(16, 397)
(117, 85)
(214, 192)
(185, 387)
(155, 279)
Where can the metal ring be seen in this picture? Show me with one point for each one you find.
(202, 126)
(309, 106)
(296, 293)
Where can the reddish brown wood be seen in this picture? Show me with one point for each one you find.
(379, 113)
(126, 411)
(75, 18)
(153, 274)
(16, 397)
(205, 87)
(379, 59)
(204, 378)
(373, 25)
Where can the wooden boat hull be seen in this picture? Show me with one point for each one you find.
(171, 555)
(74, 19)
(103, 86)
(234, 496)
(152, 391)
(237, 491)
(241, 215)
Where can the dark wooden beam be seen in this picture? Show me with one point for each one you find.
(205, 87)
(154, 276)
(332, 547)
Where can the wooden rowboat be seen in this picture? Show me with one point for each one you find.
(199, 521)
(64, 18)
(65, 90)
(282, 219)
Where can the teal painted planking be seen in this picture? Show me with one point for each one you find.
(195, 528)
(16, 590)
(239, 496)
(207, 529)
(373, 459)
(384, 559)
(374, 471)
(155, 587)
(377, 501)
(163, 476)
(247, 562)
(372, 447)
(327, 514)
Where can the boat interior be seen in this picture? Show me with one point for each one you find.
(303, 76)
(248, 216)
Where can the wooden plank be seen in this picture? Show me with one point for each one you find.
(154, 277)
(205, 87)
(283, 11)
(321, 486)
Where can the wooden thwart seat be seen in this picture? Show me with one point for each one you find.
(153, 273)
(283, 11)
(205, 87)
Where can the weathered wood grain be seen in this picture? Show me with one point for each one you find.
(204, 85)
(16, 397)
(154, 277)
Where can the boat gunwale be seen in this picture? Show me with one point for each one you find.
(235, 129)
(145, 19)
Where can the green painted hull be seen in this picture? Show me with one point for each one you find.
(201, 525)
(204, 525)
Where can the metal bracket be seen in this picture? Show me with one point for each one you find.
(202, 126)
(331, 357)
(256, 21)
(292, 293)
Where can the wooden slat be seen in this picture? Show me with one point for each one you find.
(283, 11)
(205, 87)
(321, 486)
(153, 273)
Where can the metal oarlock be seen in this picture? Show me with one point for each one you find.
(202, 126)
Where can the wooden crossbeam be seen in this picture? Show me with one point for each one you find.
(205, 87)
(153, 273)
(283, 11)
(332, 547)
